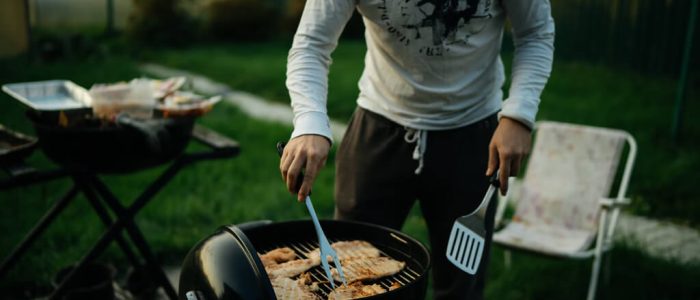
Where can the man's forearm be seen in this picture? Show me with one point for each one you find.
(533, 36)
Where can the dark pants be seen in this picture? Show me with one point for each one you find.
(376, 183)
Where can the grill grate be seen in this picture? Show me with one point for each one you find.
(406, 276)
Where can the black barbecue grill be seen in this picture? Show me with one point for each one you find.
(225, 265)
(125, 146)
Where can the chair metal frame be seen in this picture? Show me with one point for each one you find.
(609, 215)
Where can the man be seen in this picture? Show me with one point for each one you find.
(431, 123)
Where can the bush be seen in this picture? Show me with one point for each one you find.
(161, 22)
(250, 20)
(354, 29)
(292, 15)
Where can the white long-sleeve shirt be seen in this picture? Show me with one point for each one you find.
(430, 64)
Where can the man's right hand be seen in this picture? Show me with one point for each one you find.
(307, 152)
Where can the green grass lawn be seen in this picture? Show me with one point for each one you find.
(210, 194)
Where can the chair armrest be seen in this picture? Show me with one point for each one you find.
(514, 185)
(613, 202)
(611, 207)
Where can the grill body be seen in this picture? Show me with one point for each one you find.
(218, 272)
(111, 148)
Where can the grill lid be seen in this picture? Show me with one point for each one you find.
(224, 265)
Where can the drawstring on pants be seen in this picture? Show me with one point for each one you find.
(420, 137)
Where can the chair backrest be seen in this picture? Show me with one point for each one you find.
(571, 168)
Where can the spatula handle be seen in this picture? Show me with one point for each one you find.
(493, 185)
(494, 180)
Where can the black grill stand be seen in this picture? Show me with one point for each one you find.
(98, 195)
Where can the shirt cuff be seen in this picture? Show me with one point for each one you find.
(522, 111)
(312, 122)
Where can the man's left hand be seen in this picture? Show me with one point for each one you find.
(509, 146)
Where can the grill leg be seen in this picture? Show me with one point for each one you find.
(47, 219)
(126, 216)
(104, 216)
(96, 250)
(123, 221)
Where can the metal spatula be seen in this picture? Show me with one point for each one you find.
(466, 243)
(323, 245)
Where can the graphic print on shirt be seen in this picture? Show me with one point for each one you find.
(436, 24)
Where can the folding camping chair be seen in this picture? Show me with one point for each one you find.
(562, 201)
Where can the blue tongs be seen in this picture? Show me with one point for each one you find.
(324, 246)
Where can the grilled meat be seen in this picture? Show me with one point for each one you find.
(348, 249)
(291, 268)
(361, 261)
(288, 289)
(354, 291)
(368, 268)
(305, 278)
(277, 256)
(314, 287)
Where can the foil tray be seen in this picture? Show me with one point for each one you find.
(51, 95)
